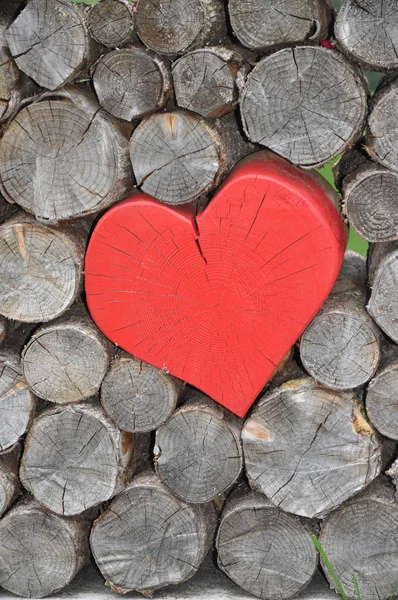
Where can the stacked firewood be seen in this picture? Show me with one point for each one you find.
(103, 455)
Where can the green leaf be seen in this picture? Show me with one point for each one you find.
(356, 587)
(329, 567)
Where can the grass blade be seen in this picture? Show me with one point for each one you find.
(393, 595)
(329, 567)
(356, 587)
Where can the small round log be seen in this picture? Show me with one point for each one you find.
(382, 394)
(50, 43)
(158, 539)
(353, 270)
(132, 83)
(137, 396)
(40, 553)
(383, 274)
(41, 268)
(349, 162)
(361, 538)
(111, 23)
(207, 81)
(63, 158)
(381, 139)
(180, 25)
(267, 552)
(279, 22)
(308, 104)
(367, 31)
(340, 348)
(75, 458)
(178, 156)
(309, 449)
(9, 480)
(198, 453)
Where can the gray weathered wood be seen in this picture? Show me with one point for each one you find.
(75, 458)
(180, 25)
(132, 82)
(361, 538)
(353, 270)
(178, 156)
(383, 273)
(111, 22)
(382, 394)
(66, 360)
(137, 396)
(198, 453)
(381, 132)
(148, 539)
(263, 549)
(207, 81)
(308, 449)
(9, 480)
(11, 82)
(367, 30)
(40, 553)
(351, 160)
(340, 348)
(306, 103)
(260, 25)
(62, 157)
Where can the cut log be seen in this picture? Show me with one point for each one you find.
(178, 156)
(279, 22)
(41, 268)
(341, 346)
(264, 550)
(353, 270)
(361, 539)
(111, 22)
(383, 273)
(49, 41)
(66, 360)
(40, 553)
(351, 160)
(62, 157)
(132, 83)
(198, 453)
(148, 539)
(309, 449)
(367, 31)
(382, 394)
(381, 139)
(137, 396)
(207, 81)
(180, 25)
(75, 458)
(308, 104)
(9, 480)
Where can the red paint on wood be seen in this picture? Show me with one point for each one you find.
(218, 300)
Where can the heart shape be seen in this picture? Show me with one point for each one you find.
(217, 300)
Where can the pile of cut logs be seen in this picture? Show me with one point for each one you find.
(104, 456)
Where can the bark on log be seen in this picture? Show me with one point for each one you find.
(382, 394)
(367, 31)
(111, 23)
(383, 273)
(353, 270)
(341, 346)
(178, 156)
(132, 83)
(198, 453)
(9, 480)
(351, 160)
(207, 81)
(381, 139)
(149, 539)
(75, 458)
(62, 157)
(361, 539)
(49, 41)
(40, 553)
(66, 360)
(181, 25)
(309, 449)
(279, 22)
(137, 396)
(264, 550)
(41, 268)
(306, 103)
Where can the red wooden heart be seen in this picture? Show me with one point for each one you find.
(218, 300)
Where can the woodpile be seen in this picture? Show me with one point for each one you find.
(105, 457)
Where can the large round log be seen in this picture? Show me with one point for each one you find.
(307, 103)
(111, 22)
(75, 458)
(64, 158)
(367, 31)
(266, 551)
(382, 394)
(137, 396)
(132, 83)
(40, 553)
(381, 139)
(9, 480)
(308, 449)
(198, 453)
(148, 539)
(261, 26)
(383, 273)
(361, 538)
